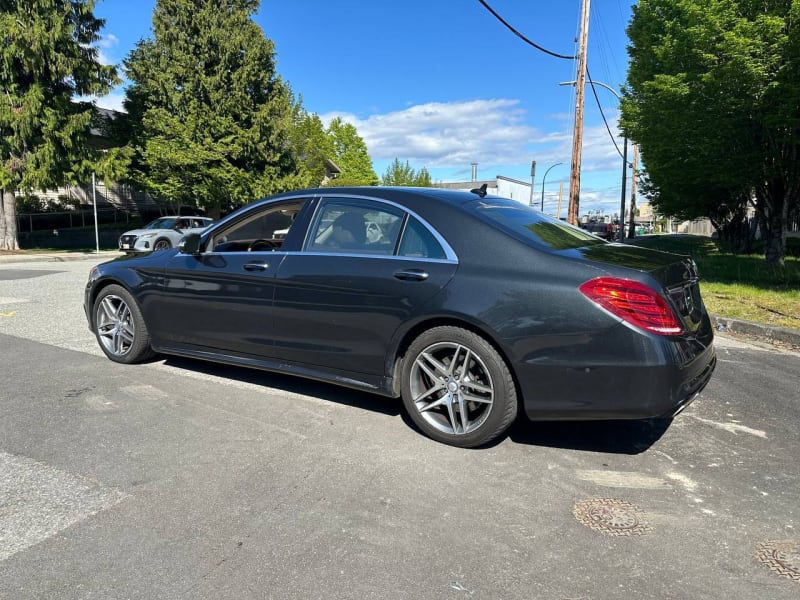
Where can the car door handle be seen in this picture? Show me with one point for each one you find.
(255, 266)
(411, 275)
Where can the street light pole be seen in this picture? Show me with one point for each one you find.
(545, 179)
(533, 176)
(624, 160)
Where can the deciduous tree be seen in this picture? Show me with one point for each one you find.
(712, 101)
(350, 155)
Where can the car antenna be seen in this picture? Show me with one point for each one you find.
(481, 191)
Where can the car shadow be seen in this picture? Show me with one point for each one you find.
(612, 437)
(288, 383)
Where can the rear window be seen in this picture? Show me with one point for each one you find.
(529, 223)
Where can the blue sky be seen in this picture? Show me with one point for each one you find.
(442, 84)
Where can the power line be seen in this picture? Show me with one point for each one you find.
(522, 37)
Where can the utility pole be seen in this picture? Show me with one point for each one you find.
(621, 232)
(577, 136)
(632, 227)
(533, 176)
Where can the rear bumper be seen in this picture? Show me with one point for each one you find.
(643, 389)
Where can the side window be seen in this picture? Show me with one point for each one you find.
(356, 227)
(419, 242)
(261, 230)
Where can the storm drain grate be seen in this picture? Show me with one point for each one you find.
(781, 557)
(611, 516)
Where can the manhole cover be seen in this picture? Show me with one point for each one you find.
(611, 516)
(782, 558)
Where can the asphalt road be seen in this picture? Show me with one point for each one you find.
(179, 479)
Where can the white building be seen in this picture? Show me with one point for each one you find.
(505, 187)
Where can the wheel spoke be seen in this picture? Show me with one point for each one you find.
(464, 364)
(107, 305)
(437, 386)
(126, 333)
(435, 404)
(441, 369)
(473, 385)
(463, 411)
(453, 420)
(118, 347)
(472, 398)
(105, 329)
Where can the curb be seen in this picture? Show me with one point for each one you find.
(60, 257)
(769, 333)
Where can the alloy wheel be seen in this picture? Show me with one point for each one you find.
(451, 388)
(115, 326)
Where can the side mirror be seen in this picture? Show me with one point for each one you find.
(190, 244)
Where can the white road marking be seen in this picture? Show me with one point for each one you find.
(622, 479)
(734, 428)
(683, 480)
(38, 501)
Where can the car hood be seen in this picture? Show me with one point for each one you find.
(138, 232)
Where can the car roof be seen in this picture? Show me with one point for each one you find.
(401, 194)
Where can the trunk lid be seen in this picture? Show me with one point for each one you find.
(676, 275)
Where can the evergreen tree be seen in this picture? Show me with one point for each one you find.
(211, 116)
(401, 174)
(46, 58)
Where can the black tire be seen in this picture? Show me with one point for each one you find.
(457, 388)
(162, 244)
(119, 326)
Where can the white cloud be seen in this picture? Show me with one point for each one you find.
(491, 132)
(105, 49)
(447, 137)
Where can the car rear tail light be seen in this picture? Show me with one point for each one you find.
(633, 302)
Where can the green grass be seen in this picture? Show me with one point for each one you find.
(740, 286)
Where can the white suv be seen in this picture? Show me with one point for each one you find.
(161, 234)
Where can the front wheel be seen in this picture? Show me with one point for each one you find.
(162, 244)
(119, 326)
(457, 388)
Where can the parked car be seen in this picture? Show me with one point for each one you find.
(469, 307)
(607, 231)
(162, 234)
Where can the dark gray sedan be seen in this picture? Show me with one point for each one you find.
(467, 306)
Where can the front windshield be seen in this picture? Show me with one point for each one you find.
(531, 224)
(162, 223)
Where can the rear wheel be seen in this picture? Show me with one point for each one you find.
(119, 326)
(457, 388)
